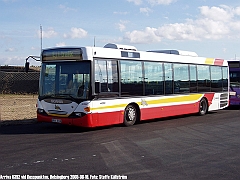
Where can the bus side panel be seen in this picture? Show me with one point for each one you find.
(85, 121)
(174, 110)
(165, 111)
(109, 118)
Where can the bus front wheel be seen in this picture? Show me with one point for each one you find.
(203, 107)
(130, 115)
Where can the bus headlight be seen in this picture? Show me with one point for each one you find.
(41, 111)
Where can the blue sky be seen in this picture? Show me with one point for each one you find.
(211, 28)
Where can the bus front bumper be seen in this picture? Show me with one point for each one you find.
(85, 121)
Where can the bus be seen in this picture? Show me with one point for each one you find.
(117, 84)
(234, 76)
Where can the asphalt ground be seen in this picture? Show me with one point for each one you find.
(185, 147)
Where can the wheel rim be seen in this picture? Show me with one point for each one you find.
(131, 114)
(203, 106)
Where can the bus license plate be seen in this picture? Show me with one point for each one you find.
(57, 120)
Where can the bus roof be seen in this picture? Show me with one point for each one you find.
(177, 52)
(117, 51)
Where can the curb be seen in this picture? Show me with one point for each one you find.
(17, 122)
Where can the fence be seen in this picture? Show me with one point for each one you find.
(18, 93)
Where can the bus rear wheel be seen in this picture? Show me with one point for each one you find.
(203, 107)
(130, 115)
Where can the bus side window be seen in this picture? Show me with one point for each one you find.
(204, 82)
(225, 79)
(168, 76)
(216, 79)
(131, 78)
(106, 73)
(193, 78)
(181, 78)
(153, 78)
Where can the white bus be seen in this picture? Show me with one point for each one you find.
(99, 86)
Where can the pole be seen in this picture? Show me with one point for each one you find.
(41, 36)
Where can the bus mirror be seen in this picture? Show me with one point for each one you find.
(97, 87)
(26, 67)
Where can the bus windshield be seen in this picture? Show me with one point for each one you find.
(69, 80)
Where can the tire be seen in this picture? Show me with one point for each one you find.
(203, 107)
(130, 115)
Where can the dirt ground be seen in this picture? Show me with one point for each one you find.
(17, 107)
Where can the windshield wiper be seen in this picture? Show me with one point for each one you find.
(68, 95)
(46, 96)
(61, 96)
(64, 96)
(56, 96)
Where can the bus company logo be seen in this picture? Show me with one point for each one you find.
(144, 102)
(57, 107)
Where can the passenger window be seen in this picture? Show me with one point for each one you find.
(153, 78)
(193, 78)
(181, 78)
(106, 73)
(131, 78)
(225, 79)
(204, 83)
(216, 79)
(168, 76)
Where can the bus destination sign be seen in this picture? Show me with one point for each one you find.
(62, 54)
